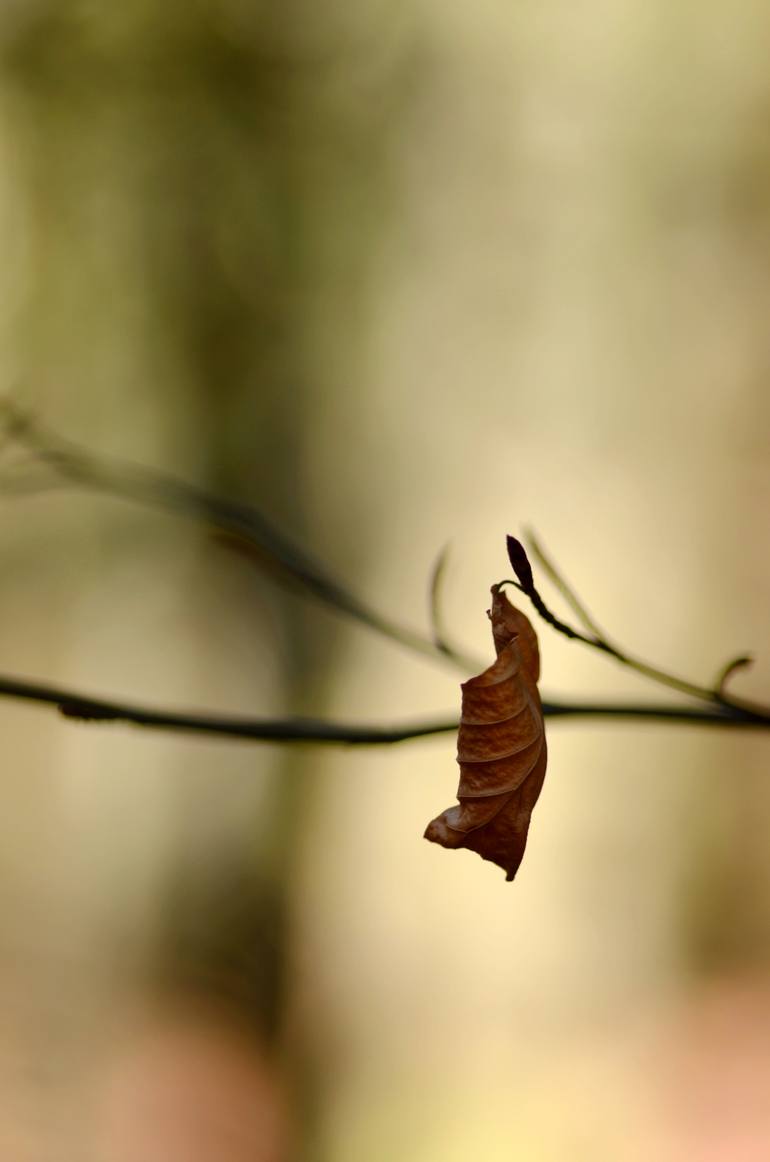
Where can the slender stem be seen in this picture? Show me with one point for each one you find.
(441, 637)
(599, 641)
(659, 712)
(246, 527)
(74, 705)
(564, 587)
(309, 730)
(239, 525)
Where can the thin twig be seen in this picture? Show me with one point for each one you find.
(441, 636)
(561, 583)
(309, 730)
(237, 523)
(434, 594)
(246, 527)
(599, 641)
(74, 705)
(726, 674)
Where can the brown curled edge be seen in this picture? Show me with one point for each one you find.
(500, 747)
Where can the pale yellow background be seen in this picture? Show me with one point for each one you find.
(397, 275)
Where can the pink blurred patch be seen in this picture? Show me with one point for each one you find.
(189, 1087)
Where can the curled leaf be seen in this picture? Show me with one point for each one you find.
(501, 747)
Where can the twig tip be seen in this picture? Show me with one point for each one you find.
(517, 555)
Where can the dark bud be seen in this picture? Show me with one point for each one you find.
(517, 555)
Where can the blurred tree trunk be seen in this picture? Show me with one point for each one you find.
(199, 191)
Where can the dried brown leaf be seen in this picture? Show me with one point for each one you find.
(501, 747)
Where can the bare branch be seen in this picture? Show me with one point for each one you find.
(51, 461)
(74, 705)
(309, 730)
(566, 590)
(441, 637)
(236, 523)
(599, 641)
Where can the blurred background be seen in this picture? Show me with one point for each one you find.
(398, 275)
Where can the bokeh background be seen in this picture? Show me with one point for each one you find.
(399, 275)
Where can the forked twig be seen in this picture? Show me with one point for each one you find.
(597, 640)
(247, 528)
